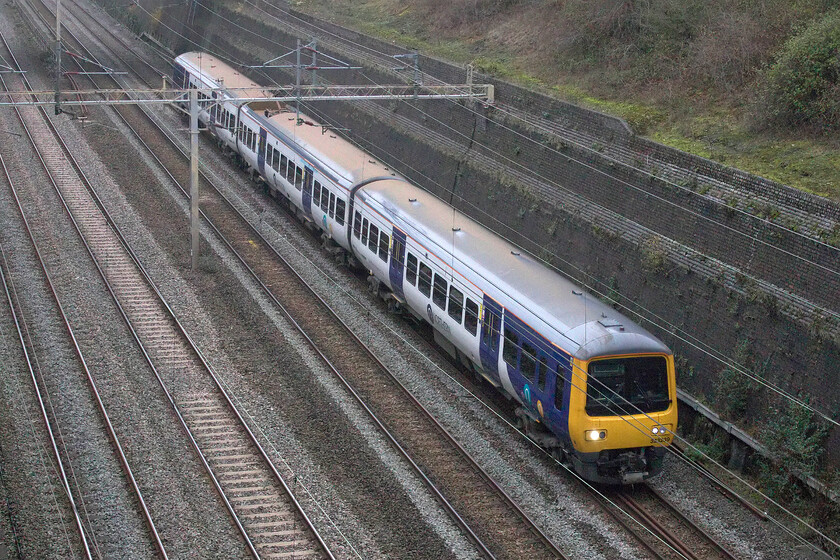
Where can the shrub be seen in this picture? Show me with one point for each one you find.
(733, 388)
(803, 85)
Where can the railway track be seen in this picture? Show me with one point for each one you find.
(89, 497)
(677, 536)
(484, 510)
(271, 521)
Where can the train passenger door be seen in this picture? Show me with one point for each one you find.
(488, 345)
(397, 266)
(261, 151)
(306, 199)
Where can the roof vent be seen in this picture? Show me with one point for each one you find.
(611, 324)
(577, 293)
(412, 200)
(515, 253)
(456, 229)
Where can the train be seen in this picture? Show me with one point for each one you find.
(590, 386)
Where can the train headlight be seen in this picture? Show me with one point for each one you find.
(596, 435)
(659, 430)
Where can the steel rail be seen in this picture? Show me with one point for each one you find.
(90, 378)
(229, 402)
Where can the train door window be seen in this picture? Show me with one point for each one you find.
(456, 303)
(424, 284)
(339, 211)
(471, 317)
(269, 153)
(439, 293)
(528, 362)
(560, 387)
(298, 178)
(284, 162)
(332, 205)
(395, 254)
(384, 245)
(364, 231)
(510, 350)
(325, 199)
(411, 269)
(490, 329)
(542, 373)
(373, 239)
(316, 193)
(357, 224)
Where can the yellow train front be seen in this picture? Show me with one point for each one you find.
(605, 401)
(622, 416)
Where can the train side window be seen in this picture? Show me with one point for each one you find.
(284, 162)
(560, 387)
(275, 160)
(316, 193)
(411, 269)
(471, 317)
(339, 211)
(511, 347)
(542, 373)
(332, 205)
(384, 245)
(325, 199)
(528, 363)
(439, 293)
(357, 224)
(373, 239)
(364, 231)
(298, 178)
(290, 172)
(424, 284)
(456, 303)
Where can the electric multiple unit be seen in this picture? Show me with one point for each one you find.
(591, 386)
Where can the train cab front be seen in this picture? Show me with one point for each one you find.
(622, 416)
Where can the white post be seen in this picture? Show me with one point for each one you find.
(194, 249)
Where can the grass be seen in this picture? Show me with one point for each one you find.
(694, 122)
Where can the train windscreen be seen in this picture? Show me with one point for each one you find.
(625, 386)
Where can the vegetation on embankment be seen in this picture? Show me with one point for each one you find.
(751, 84)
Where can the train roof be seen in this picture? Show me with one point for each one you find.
(589, 327)
(336, 157)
